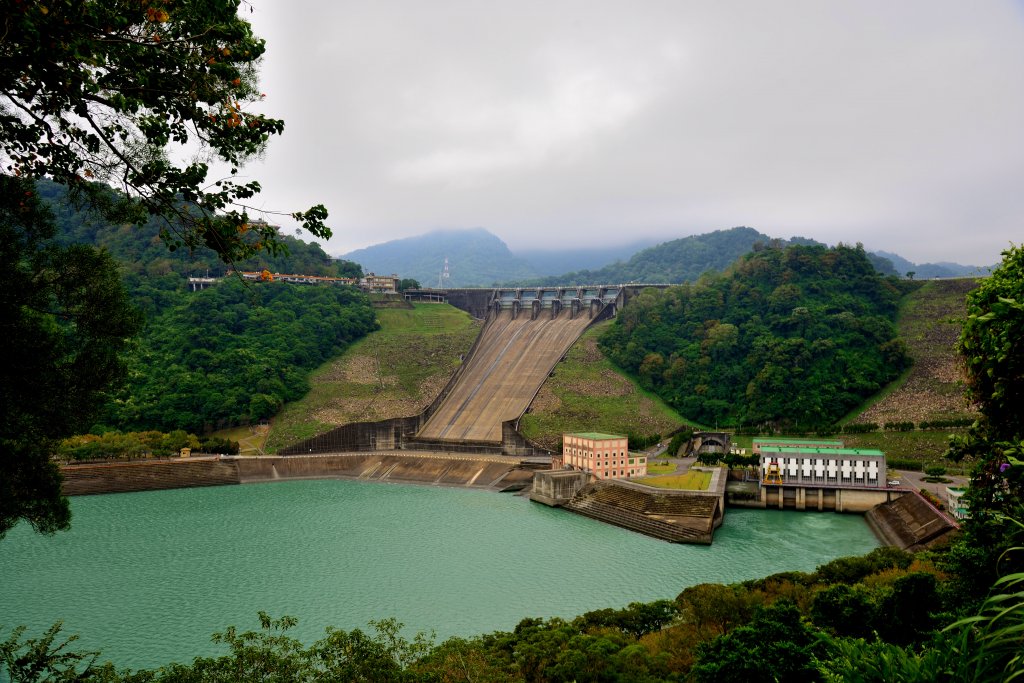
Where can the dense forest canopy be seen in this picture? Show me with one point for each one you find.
(229, 354)
(234, 353)
(786, 337)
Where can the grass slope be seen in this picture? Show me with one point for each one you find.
(931, 389)
(587, 393)
(393, 372)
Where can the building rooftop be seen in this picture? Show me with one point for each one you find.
(825, 451)
(597, 436)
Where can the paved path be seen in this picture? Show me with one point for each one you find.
(915, 480)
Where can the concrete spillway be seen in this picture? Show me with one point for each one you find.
(513, 357)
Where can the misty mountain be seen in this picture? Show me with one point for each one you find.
(479, 258)
(943, 269)
(475, 258)
(556, 262)
(676, 261)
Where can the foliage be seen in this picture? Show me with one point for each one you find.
(986, 646)
(46, 658)
(850, 570)
(900, 464)
(991, 643)
(900, 611)
(408, 283)
(234, 353)
(111, 92)
(787, 626)
(637, 619)
(678, 440)
(640, 442)
(114, 444)
(152, 273)
(788, 337)
(992, 345)
(65, 322)
(678, 261)
(775, 646)
(860, 428)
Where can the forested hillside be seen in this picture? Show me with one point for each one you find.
(230, 354)
(677, 261)
(790, 337)
(141, 251)
(234, 353)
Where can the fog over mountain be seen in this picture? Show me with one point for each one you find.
(895, 124)
(477, 257)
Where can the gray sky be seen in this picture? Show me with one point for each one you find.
(895, 124)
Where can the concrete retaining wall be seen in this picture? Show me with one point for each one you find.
(909, 522)
(152, 475)
(499, 473)
(675, 516)
(820, 498)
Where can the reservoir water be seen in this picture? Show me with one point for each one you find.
(147, 577)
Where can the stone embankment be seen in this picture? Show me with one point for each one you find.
(677, 516)
(910, 522)
(148, 475)
(440, 469)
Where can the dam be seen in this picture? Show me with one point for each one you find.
(513, 358)
(526, 332)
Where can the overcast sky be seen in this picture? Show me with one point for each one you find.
(895, 124)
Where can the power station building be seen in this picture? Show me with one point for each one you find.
(605, 456)
(832, 467)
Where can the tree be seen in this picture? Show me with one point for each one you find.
(992, 347)
(408, 283)
(64, 321)
(107, 98)
(95, 93)
(775, 646)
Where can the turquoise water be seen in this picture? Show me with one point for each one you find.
(147, 577)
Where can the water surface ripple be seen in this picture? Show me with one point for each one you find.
(147, 577)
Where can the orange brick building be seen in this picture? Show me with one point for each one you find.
(606, 456)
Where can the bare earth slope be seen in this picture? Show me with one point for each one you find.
(932, 390)
(587, 393)
(512, 360)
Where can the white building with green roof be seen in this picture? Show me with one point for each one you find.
(822, 467)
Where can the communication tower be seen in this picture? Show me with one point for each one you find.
(442, 279)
